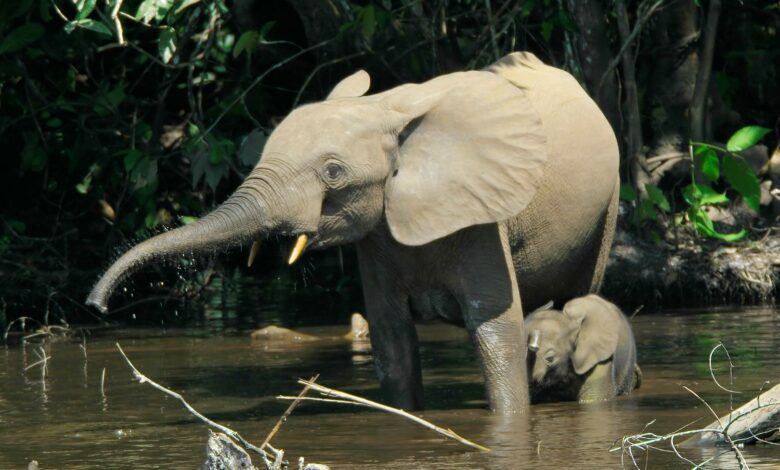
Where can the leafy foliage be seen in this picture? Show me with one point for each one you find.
(710, 159)
(119, 118)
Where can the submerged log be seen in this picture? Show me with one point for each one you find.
(224, 454)
(757, 420)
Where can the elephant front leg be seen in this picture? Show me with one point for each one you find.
(394, 341)
(490, 300)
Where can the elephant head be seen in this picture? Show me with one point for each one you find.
(572, 341)
(425, 159)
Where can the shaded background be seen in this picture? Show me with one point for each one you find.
(105, 144)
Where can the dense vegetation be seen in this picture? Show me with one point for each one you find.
(119, 118)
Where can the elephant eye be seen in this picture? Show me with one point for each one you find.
(332, 171)
(549, 358)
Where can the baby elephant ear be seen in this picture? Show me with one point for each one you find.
(597, 337)
(471, 150)
(353, 86)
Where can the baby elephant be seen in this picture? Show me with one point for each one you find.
(585, 353)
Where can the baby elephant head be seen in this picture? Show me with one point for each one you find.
(567, 344)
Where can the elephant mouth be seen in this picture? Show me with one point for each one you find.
(302, 241)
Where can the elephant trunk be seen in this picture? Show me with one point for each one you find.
(238, 220)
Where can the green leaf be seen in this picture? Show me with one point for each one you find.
(187, 219)
(547, 30)
(741, 177)
(84, 8)
(703, 224)
(91, 25)
(265, 29)
(132, 157)
(106, 103)
(167, 44)
(246, 42)
(184, 5)
(21, 37)
(647, 210)
(367, 19)
(252, 147)
(707, 162)
(746, 137)
(34, 158)
(657, 197)
(698, 194)
(83, 187)
(153, 9)
(144, 174)
(627, 192)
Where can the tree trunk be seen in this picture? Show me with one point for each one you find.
(594, 51)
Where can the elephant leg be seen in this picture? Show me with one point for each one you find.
(393, 336)
(490, 301)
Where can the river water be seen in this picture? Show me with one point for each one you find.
(66, 421)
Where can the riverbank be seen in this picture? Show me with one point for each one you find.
(681, 270)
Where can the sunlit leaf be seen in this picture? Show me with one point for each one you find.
(698, 194)
(106, 209)
(657, 197)
(153, 9)
(21, 37)
(167, 44)
(84, 8)
(746, 137)
(91, 25)
(187, 219)
(707, 162)
(741, 177)
(184, 5)
(703, 224)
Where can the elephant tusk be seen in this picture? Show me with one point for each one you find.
(298, 248)
(253, 253)
(533, 342)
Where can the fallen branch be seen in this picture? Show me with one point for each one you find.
(229, 432)
(347, 398)
(752, 422)
(288, 411)
(755, 421)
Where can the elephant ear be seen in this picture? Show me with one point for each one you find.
(598, 332)
(471, 151)
(353, 86)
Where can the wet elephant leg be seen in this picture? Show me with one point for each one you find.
(393, 336)
(490, 301)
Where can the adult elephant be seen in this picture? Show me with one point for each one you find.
(461, 192)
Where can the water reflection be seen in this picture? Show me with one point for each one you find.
(68, 420)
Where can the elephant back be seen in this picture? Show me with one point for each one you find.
(557, 239)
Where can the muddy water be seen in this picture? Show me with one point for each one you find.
(67, 422)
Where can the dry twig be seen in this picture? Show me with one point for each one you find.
(233, 434)
(347, 398)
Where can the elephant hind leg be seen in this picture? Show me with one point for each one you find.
(607, 236)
